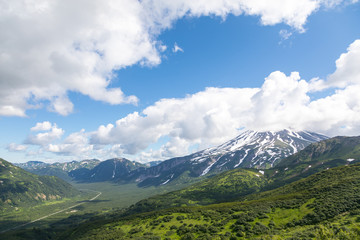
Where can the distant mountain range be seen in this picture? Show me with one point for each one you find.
(57, 169)
(21, 188)
(251, 149)
(113, 169)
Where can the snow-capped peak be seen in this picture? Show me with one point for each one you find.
(257, 149)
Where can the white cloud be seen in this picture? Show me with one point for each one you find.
(347, 70)
(75, 144)
(13, 147)
(43, 126)
(49, 48)
(176, 48)
(205, 118)
(52, 133)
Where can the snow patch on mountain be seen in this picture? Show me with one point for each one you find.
(256, 149)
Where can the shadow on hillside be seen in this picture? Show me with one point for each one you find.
(44, 229)
(8, 224)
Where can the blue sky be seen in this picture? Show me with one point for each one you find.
(186, 100)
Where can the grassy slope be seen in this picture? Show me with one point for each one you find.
(223, 187)
(315, 158)
(25, 196)
(21, 188)
(311, 204)
(113, 198)
(237, 183)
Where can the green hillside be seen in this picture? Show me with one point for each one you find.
(223, 187)
(235, 184)
(334, 148)
(21, 188)
(337, 151)
(323, 206)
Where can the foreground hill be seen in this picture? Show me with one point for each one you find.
(322, 206)
(21, 188)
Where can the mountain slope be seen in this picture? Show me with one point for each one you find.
(237, 183)
(337, 151)
(224, 187)
(116, 169)
(259, 149)
(300, 210)
(250, 149)
(19, 187)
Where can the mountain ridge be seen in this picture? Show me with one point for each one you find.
(251, 149)
(112, 169)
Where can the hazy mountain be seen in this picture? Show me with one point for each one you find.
(153, 163)
(251, 149)
(73, 165)
(65, 166)
(115, 169)
(32, 165)
(21, 188)
(58, 169)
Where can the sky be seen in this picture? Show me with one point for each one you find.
(154, 79)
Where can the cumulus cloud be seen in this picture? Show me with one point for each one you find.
(43, 126)
(347, 70)
(75, 144)
(202, 117)
(49, 48)
(50, 134)
(13, 147)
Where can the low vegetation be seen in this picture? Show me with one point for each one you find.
(20, 188)
(325, 205)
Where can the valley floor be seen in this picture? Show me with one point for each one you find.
(95, 198)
